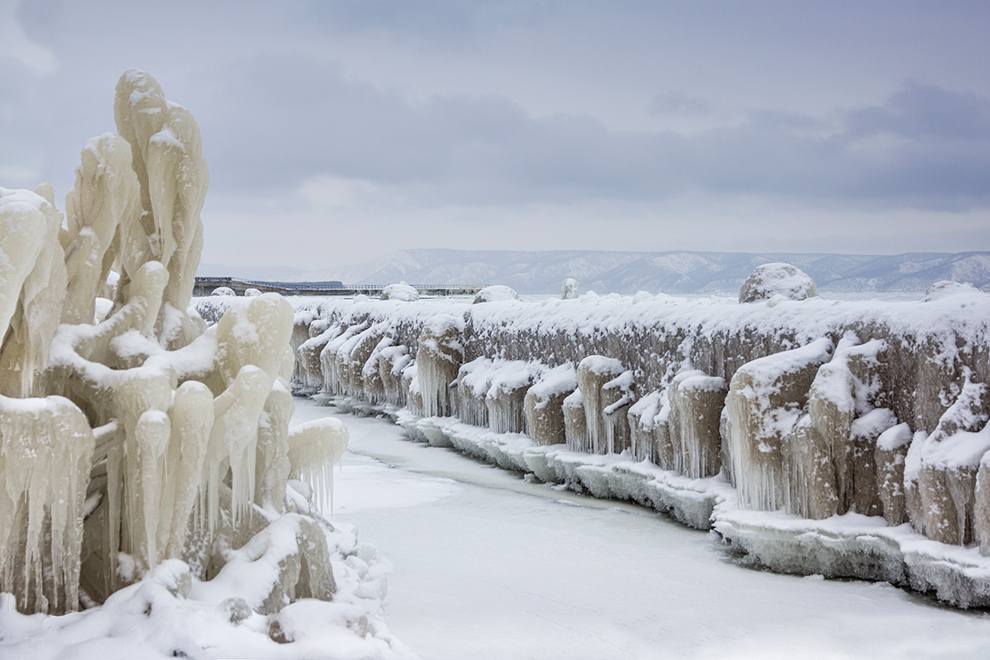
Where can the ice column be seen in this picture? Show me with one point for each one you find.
(765, 400)
(438, 359)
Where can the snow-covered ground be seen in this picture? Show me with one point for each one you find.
(489, 565)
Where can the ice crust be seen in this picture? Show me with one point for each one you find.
(742, 416)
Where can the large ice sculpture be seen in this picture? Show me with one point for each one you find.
(141, 436)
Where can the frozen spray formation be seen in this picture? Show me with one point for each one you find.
(142, 436)
(843, 438)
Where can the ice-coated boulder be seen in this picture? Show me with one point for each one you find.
(575, 422)
(506, 396)
(391, 361)
(777, 279)
(495, 293)
(696, 402)
(890, 457)
(400, 291)
(473, 382)
(642, 424)
(946, 288)
(544, 405)
(765, 400)
(569, 289)
(617, 397)
(438, 359)
(594, 372)
(949, 461)
(223, 291)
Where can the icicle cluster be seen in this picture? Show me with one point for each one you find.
(132, 433)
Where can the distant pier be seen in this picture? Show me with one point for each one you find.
(205, 286)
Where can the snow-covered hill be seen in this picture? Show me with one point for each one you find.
(669, 272)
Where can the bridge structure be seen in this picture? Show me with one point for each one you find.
(205, 286)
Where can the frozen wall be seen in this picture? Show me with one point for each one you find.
(808, 406)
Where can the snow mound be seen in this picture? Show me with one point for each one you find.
(400, 291)
(777, 279)
(569, 289)
(495, 293)
(947, 288)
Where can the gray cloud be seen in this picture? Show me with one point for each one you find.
(678, 103)
(280, 119)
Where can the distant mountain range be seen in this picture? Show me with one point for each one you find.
(629, 272)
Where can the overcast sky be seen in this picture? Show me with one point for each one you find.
(340, 131)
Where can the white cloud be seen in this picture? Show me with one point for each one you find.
(15, 43)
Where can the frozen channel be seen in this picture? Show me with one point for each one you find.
(489, 565)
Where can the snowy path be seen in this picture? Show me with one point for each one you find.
(488, 565)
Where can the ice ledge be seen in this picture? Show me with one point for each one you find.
(848, 546)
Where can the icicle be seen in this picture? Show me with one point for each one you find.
(314, 448)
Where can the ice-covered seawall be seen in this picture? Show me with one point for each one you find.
(868, 413)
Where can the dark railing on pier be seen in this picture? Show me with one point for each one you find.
(205, 286)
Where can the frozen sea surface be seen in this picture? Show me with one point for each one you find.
(489, 565)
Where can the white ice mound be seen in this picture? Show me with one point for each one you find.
(777, 279)
(569, 289)
(496, 293)
(400, 291)
(946, 288)
(223, 291)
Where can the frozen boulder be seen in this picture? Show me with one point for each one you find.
(495, 293)
(642, 422)
(400, 291)
(765, 400)
(223, 291)
(617, 397)
(594, 372)
(890, 458)
(505, 398)
(438, 360)
(575, 422)
(569, 289)
(391, 361)
(251, 292)
(777, 279)
(946, 288)
(696, 402)
(950, 460)
(473, 382)
(544, 405)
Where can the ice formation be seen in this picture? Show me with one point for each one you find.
(130, 433)
(776, 279)
(400, 291)
(495, 293)
(569, 289)
(806, 431)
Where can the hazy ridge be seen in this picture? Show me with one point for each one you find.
(628, 272)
